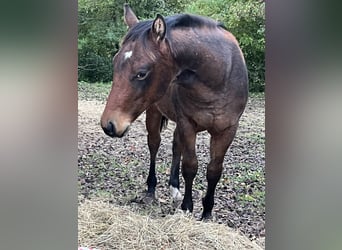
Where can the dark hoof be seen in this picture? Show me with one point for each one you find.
(206, 217)
(187, 206)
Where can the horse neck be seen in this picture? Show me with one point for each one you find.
(203, 52)
(184, 48)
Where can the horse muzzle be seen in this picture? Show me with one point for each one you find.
(111, 129)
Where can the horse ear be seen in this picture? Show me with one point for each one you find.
(130, 17)
(159, 28)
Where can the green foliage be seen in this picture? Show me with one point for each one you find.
(245, 19)
(101, 28)
(100, 31)
(249, 185)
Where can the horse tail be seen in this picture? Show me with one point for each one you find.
(163, 123)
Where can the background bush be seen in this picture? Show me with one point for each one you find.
(101, 29)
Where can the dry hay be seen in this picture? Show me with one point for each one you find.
(105, 226)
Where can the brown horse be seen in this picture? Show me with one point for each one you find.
(186, 68)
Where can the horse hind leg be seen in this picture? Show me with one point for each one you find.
(174, 175)
(153, 124)
(219, 144)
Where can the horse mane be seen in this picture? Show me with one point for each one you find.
(141, 29)
(190, 21)
(138, 31)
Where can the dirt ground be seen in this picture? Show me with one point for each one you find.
(116, 169)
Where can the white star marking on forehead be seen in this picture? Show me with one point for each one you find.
(128, 54)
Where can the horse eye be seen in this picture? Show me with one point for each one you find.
(141, 75)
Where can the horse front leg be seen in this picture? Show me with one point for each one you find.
(219, 144)
(153, 123)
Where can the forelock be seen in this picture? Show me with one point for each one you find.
(140, 34)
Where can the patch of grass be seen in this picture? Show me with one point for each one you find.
(100, 161)
(256, 138)
(200, 183)
(247, 182)
(102, 194)
(257, 198)
(93, 91)
(257, 95)
(163, 168)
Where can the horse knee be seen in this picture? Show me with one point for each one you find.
(214, 171)
(189, 168)
(153, 140)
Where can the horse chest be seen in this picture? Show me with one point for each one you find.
(210, 120)
(204, 108)
(203, 120)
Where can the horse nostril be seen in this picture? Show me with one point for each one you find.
(110, 129)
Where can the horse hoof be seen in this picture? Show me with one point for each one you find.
(176, 204)
(188, 212)
(206, 217)
(175, 194)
